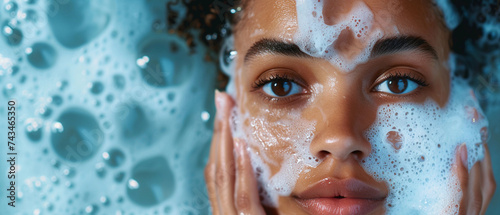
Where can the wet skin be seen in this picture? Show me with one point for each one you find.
(274, 80)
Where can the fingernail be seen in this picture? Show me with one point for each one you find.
(463, 154)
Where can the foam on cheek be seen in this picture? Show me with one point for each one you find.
(284, 144)
(316, 38)
(414, 146)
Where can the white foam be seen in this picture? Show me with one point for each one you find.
(419, 174)
(317, 39)
(290, 136)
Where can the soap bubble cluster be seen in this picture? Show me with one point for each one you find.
(113, 112)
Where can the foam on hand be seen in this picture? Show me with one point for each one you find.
(414, 146)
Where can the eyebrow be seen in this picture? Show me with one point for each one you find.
(277, 47)
(402, 43)
(382, 47)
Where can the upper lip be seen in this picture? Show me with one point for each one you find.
(342, 188)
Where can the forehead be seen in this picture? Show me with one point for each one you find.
(278, 19)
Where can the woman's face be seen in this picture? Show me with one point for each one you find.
(305, 111)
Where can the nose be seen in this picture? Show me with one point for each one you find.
(340, 134)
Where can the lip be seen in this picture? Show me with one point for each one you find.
(346, 196)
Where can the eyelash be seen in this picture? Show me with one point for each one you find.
(258, 84)
(409, 76)
(274, 77)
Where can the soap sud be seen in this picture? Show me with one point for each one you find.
(289, 136)
(316, 38)
(419, 174)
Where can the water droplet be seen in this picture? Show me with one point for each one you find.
(34, 129)
(152, 182)
(41, 55)
(80, 136)
(395, 139)
(114, 157)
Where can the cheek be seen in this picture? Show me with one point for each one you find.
(278, 144)
(414, 148)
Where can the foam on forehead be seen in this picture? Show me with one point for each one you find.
(317, 39)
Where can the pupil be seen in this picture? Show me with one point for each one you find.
(397, 85)
(281, 88)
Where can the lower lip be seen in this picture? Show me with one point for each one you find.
(339, 206)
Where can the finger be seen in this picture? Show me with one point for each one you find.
(488, 179)
(246, 197)
(461, 170)
(225, 171)
(475, 195)
(210, 168)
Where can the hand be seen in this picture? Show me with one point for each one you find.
(478, 186)
(232, 189)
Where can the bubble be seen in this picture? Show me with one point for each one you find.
(33, 129)
(69, 172)
(11, 8)
(45, 111)
(119, 82)
(171, 96)
(41, 55)
(132, 120)
(57, 100)
(100, 170)
(110, 98)
(12, 35)
(484, 134)
(205, 116)
(104, 200)
(395, 139)
(92, 209)
(86, 19)
(159, 60)
(96, 87)
(114, 157)
(9, 90)
(119, 177)
(77, 136)
(152, 182)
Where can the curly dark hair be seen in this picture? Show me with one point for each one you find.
(475, 41)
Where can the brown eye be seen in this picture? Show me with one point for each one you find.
(281, 88)
(397, 85)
